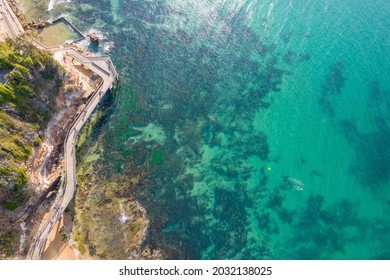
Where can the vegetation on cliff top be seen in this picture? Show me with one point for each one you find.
(30, 80)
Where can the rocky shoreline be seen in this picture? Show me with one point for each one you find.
(26, 24)
(17, 11)
(108, 222)
(45, 166)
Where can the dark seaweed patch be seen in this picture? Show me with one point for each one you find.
(349, 130)
(372, 165)
(333, 84)
(372, 153)
(315, 173)
(377, 95)
(322, 229)
(201, 93)
(335, 80)
(291, 57)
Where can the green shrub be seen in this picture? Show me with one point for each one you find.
(21, 68)
(5, 171)
(16, 76)
(10, 205)
(82, 249)
(37, 141)
(6, 92)
(7, 243)
(22, 179)
(69, 89)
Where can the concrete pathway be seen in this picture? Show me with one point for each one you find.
(101, 66)
(9, 20)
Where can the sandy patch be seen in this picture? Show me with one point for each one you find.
(56, 247)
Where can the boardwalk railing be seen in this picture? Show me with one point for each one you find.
(109, 76)
(104, 68)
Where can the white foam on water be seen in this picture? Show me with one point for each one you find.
(144, 214)
(108, 47)
(271, 7)
(123, 217)
(52, 3)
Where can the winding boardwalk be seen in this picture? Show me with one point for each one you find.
(101, 66)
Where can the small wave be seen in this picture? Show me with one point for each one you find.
(108, 47)
(271, 7)
(144, 214)
(123, 218)
(52, 3)
(105, 45)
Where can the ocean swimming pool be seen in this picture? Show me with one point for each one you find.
(59, 32)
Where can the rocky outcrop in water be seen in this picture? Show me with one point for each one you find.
(94, 37)
(107, 223)
(37, 25)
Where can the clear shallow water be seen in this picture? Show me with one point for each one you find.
(57, 34)
(260, 128)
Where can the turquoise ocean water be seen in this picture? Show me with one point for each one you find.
(261, 128)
